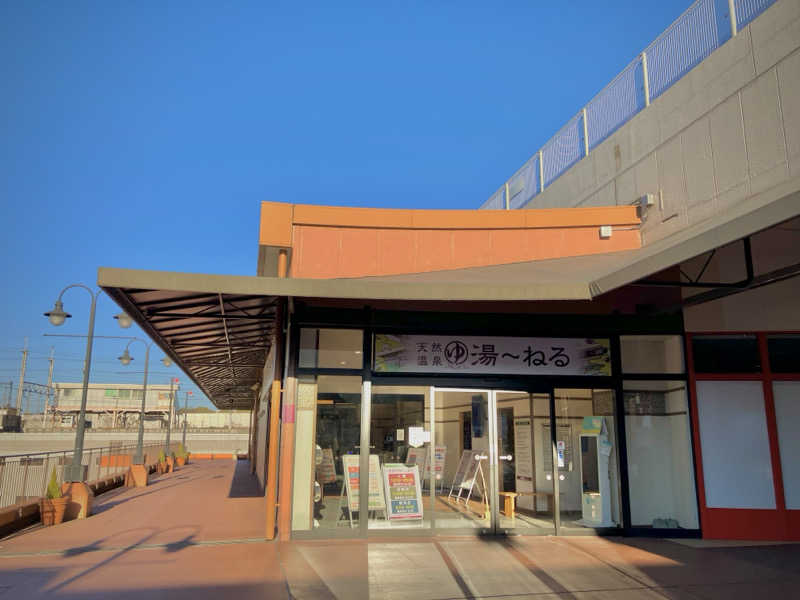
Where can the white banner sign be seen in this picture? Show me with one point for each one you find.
(491, 355)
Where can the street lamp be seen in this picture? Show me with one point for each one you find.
(124, 320)
(169, 414)
(125, 359)
(74, 472)
(185, 415)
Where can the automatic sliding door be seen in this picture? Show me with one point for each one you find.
(525, 487)
(462, 439)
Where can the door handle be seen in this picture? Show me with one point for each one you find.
(506, 457)
(481, 457)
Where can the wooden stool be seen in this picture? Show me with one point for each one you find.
(509, 499)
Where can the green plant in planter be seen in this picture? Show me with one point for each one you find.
(53, 489)
(162, 457)
(181, 451)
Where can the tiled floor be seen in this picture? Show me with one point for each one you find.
(198, 533)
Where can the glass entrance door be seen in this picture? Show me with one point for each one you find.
(464, 494)
(525, 491)
(491, 477)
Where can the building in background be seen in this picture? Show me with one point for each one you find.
(117, 406)
(113, 405)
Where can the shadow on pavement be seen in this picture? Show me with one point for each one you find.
(244, 484)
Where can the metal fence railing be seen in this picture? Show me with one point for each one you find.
(25, 476)
(701, 29)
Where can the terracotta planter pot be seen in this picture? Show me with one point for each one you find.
(52, 510)
(170, 464)
(181, 461)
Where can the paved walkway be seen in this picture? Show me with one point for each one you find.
(198, 533)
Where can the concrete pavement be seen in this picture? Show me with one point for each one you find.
(199, 533)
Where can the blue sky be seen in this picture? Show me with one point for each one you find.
(144, 135)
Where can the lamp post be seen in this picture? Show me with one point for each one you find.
(125, 359)
(171, 402)
(74, 472)
(185, 416)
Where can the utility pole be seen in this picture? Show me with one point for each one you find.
(22, 376)
(50, 394)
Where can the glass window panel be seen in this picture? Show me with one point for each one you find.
(652, 354)
(394, 413)
(327, 439)
(726, 354)
(784, 353)
(737, 469)
(660, 468)
(787, 414)
(331, 348)
(588, 467)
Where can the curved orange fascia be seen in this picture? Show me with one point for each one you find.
(329, 241)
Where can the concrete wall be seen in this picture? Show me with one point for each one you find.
(130, 421)
(729, 129)
(22, 443)
(216, 420)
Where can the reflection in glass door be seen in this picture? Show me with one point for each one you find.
(462, 435)
(586, 455)
(403, 459)
(525, 490)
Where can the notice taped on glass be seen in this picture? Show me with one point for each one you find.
(403, 491)
(439, 456)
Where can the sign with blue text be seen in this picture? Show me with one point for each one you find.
(491, 355)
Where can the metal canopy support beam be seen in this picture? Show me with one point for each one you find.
(171, 316)
(227, 335)
(757, 282)
(696, 283)
(146, 303)
(209, 304)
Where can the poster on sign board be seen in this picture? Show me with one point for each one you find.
(350, 465)
(439, 456)
(467, 458)
(473, 466)
(416, 456)
(403, 492)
